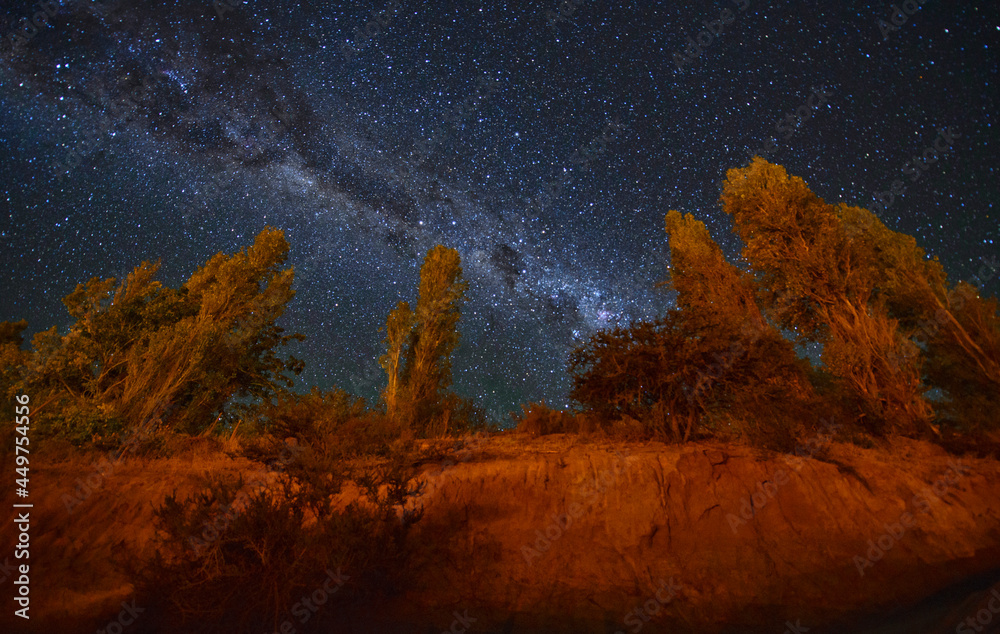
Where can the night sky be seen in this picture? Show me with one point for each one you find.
(543, 140)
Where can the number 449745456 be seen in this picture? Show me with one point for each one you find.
(22, 442)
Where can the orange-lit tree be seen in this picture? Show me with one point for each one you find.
(714, 353)
(12, 358)
(420, 344)
(760, 375)
(397, 334)
(836, 275)
(141, 352)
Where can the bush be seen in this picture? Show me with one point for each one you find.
(777, 432)
(538, 419)
(330, 422)
(678, 375)
(243, 554)
(138, 349)
(467, 418)
(82, 425)
(627, 428)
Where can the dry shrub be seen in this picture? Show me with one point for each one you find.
(333, 421)
(538, 419)
(978, 442)
(468, 418)
(627, 428)
(243, 556)
(769, 424)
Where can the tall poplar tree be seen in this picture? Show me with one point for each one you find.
(417, 388)
(398, 328)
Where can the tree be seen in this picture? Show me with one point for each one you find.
(708, 288)
(889, 325)
(630, 371)
(240, 298)
(970, 378)
(12, 358)
(420, 383)
(140, 352)
(397, 334)
(828, 284)
(755, 373)
(715, 353)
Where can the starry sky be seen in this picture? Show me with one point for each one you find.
(544, 140)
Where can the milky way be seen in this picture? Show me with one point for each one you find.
(545, 141)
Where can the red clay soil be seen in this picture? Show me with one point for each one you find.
(562, 534)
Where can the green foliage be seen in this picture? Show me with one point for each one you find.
(419, 345)
(138, 350)
(83, 425)
(889, 324)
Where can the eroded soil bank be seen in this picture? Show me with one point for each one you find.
(556, 535)
(561, 534)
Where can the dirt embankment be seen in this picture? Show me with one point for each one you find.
(561, 535)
